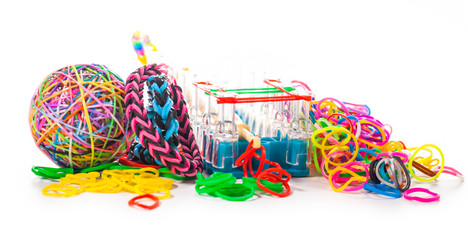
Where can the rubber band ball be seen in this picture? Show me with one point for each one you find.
(77, 116)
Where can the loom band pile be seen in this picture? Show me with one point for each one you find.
(329, 105)
(213, 183)
(187, 164)
(356, 125)
(349, 123)
(353, 183)
(332, 141)
(323, 123)
(422, 168)
(343, 145)
(373, 134)
(223, 185)
(357, 170)
(364, 154)
(357, 109)
(400, 155)
(394, 146)
(382, 189)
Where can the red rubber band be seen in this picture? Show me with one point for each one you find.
(269, 176)
(133, 201)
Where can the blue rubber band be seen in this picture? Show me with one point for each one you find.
(382, 189)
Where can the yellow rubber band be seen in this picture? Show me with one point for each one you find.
(411, 159)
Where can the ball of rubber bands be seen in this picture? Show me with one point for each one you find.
(77, 116)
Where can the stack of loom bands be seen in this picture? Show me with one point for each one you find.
(158, 134)
(144, 181)
(77, 117)
(384, 166)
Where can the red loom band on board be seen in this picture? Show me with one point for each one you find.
(133, 201)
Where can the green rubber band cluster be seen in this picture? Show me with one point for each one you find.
(57, 173)
(223, 185)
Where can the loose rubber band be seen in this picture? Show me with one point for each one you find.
(435, 197)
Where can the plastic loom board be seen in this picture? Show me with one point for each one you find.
(275, 151)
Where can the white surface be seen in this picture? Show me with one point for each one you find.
(405, 59)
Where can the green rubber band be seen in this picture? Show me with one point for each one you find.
(236, 192)
(275, 187)
(253, 90)
(202, 189)
(216, 179)
(99, 167)
(314, 153)
(51, 173)
(122, 167)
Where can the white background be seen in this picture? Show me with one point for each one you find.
(407, 60)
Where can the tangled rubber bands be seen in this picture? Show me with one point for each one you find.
(225, 186)
(353, 151)
(143, 181)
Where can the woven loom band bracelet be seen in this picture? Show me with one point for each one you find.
(410, 163)
(133, 202)
(382, 189)
(435, 196)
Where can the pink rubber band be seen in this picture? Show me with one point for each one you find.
(435, 197)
